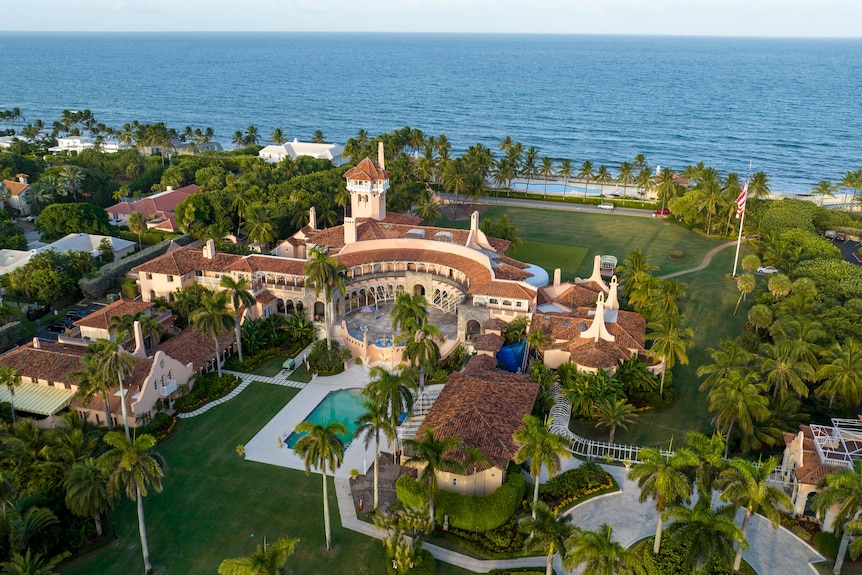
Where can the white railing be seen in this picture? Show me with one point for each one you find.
(167, 389)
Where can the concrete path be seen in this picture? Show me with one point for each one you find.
(704, 263)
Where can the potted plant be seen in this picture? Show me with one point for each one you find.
(240, 450)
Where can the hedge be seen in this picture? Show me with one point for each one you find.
(518, 571)
(827, 543)
(425, 565)
(9, 334)
(670, 561)
(207, 388)
(94, 287)
(161, 427)
(467, 512)
(567, 489)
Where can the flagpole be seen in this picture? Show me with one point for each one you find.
(738, 242)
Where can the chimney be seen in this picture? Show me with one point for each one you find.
(598, 330)
(36, 343)
(596, 276)
(381, 161)
(312, 218)
(140, 350)
(22, 178)
(557, 277)
(209, 250)
(613, 298)
(349, 230)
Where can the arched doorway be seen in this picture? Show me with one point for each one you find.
(419, 289)
(473, 329)
(319, 311)
(279, 306)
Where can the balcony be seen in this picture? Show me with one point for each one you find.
(166, 390)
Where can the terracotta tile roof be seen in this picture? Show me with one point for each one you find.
(264, 298)
(484, 412)
(489, 342)
(101, 319)
(15, 188)
(573, 297)
(367, 170)
(479, 363)
(162, 202)
(494, 324)
(187, 260)
(392, 227)
(597, 354)
(507, 272)
(474, 270)
(503, 289)
(273, 264)
(504, 259)
(191, 346)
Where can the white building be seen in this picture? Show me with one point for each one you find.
(277, 152)
(80, 143)
(10, 260)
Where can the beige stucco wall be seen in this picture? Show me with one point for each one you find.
(159, 284)
(482, 483)
(164, 369)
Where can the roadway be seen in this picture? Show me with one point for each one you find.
(565, 207)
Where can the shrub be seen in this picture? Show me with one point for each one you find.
(480, 513)
(567, 489)
(161, 427)
(517, 571)
(670, 561)
(827, 543)
(425, 565)
(207, 388)
(503, 542)
(251, 362)
(676, 254)
(326, 361)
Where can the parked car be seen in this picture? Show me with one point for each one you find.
(76, 314)
(661, 212)
(606, 206)
(830, 234)
(30, 218)
(767, 270)
(841, 237)
(56, 328)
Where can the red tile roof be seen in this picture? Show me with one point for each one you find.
(474, 270)
(367, 170)
(503, 289)
(484, 410)
(489, 342)
(479, 363)
(191, 346)
(187, 260)
(165, 202)
(15, 188)
(101, 319)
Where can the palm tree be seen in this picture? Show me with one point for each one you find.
(746, 284)
(824, 188)
(841, 376)
(91, 383)
(542, 447)
(662, 478)
(635, 268)
(666, 186)
(783, 370)
(137, 225)
(710, 457)
(327, 275)
(709, 533)
(625, 176)
(258, 225)
(744, 484)
(113, 364)
(529, 169)
(32, 564)
(72, 178)
(548, 531)
(213, 318)
(240, 298)
(603, 177)
(613, 413)
(393, 392)
(644, 181)
(87, 491)
(266, 560)
(251, 136)
(547, 170)
(670, 341)
(277, 137)
(602, 554)
(737, 400)
(318, 137)
(132, 468)
(10, 379)
(421, 350)
(433, 455)
(321, 448)
(456, 178)
(586, 172)
(409, 312)
(841, 492)
(566, 169)
(371, 424)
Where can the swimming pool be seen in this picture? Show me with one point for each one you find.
(343, 406)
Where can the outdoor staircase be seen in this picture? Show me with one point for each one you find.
(526, 360)
(421, 407)
(448, 303)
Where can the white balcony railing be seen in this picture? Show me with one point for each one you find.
(167, 389)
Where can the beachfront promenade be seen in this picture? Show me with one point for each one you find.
(772, 551)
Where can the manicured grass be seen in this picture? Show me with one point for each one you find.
(270, 368)
(551, 257)
(213, 502)
(709, 309)
(300, 374)
(601, 234)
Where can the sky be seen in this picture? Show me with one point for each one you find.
(770, 18)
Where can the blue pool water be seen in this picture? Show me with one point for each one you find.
(344, 406)
(383, 343)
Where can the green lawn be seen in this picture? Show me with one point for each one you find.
(271, 367)
(709, 308)
(551, 256)
(602, 234)
(300, 374)
(213, 502)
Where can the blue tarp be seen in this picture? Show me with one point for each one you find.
(511, 356)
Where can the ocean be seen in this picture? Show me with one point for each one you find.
(793, 107)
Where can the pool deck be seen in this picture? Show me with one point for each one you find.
(264, 447)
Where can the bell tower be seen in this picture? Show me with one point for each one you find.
(367, 184)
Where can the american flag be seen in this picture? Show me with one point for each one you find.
(740, 201)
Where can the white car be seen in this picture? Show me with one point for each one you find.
(767, 270)
(606, 206)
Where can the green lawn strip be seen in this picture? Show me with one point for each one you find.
(271, 367)
(213, 501)
(300, 374)
(551, 256)
(602, 234)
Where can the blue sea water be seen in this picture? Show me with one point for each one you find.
(793, 107)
